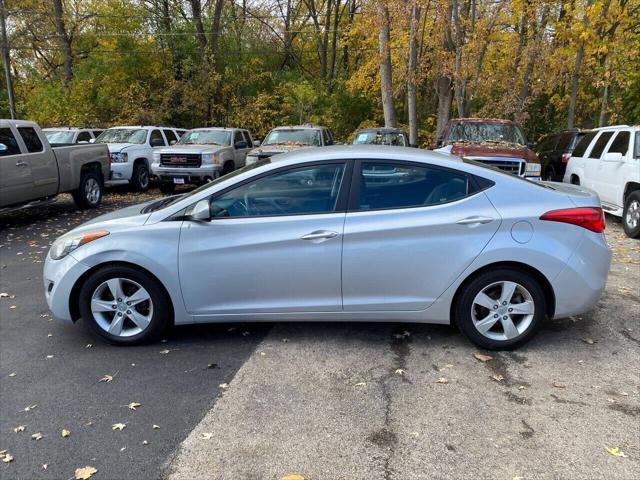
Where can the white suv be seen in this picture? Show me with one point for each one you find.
(607, 160)
(131, 150)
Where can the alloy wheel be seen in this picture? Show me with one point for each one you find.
(92, 191)
(121, 307)
(502, 310)
(143, 177)
(632, 218)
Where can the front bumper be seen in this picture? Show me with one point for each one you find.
(59, 278)
(121, 171)
(190, 175)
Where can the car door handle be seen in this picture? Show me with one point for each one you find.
(21, 164)
(474, 220)
(319, 234)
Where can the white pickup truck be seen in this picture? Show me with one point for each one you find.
(607, 160)
(32, 172)
(131, 149)
(201, 155)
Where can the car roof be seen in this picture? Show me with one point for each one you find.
(140, 126)
(306, 126)
(482, 120)
(381, 129)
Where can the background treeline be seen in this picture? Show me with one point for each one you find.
(258, 63)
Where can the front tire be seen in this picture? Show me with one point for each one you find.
(228, 168)
(500, 309)
(140, 177)
(89, 192)
(124, 306)
(631, 215)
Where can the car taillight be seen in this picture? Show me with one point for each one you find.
(591, 218)
(566, 157)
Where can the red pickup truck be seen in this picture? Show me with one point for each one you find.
(499, 143)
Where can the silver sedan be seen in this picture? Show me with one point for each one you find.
(352, 233)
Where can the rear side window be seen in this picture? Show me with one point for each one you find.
(9, 141)
(31, 139)
(637, 147)
(598, 148)
(156, 135)
(247, 137)
(237, 137)
(171, 137)
(564, 142)
(399, 185)
(583, 144)
(83, 137)
(620, 143)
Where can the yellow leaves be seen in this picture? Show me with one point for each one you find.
(616, 452)
(65, 433)
(589, 341)
(19, 428)
(483, 358)
(223, 386)
(442, 380)
(37, 436)
(106, 379)
(497, 378)
(30, 407)
(85, 473)
(118, 426)
(5, 457)
(361, 384)
(400, 371)
(292, 476)
(134, 405)
(558, 385)
(207, 436)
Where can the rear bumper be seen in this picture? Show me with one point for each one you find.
(59, 278)
(579, 285)
(190, 175)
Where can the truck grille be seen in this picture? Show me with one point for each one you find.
(516, 166)
(186, 160)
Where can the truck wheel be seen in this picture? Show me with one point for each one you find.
(167, 187)
(631, 215)
(228, 168)
(89, 192)
(140, 177)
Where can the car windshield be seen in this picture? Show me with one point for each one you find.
(293, 136)
(380, 138)
(486, 132)
(123, 135)
(59, 136)
(206, 137)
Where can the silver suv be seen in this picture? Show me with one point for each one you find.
(287, 139)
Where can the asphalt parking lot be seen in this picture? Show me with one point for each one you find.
(326, 401)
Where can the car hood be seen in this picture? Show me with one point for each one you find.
(269, 150)
(491, 149)
(121, 147)
(116, 220)
(193, 149)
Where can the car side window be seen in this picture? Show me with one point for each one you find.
(305, 190)
(171, 137)
(564, 141)
(325, 137)
(620, 143)
(8, 140)
(83, 137)
(399, 185)
(237, 137)
(583, 144)
(247, 137)
(155, 136)
(31, 139)
(636, 153)
(598, 148)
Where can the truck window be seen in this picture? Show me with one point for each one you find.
(171, 137)
(237, 137)
(9, 141)
(31, 139)
(636, 153)
(598, 148)
(247, 138)
(83, 137)
(583, 144)
(156, 135)
(620, 144)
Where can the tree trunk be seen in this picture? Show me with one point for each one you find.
(459, 85)
(386, 83)
(443, 88)
(412, 71)
(196, 11)
(604, 107)
(575, 80)
(6, 60)
(215, 34)
(334, 45)
(65, 41)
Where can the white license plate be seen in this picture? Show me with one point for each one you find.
(178, 180)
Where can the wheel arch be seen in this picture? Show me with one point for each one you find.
(629, 188)
(141, 160)
(74, 297)
(537, 274)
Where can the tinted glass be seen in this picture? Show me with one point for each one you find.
(237, 137)
(636, 153)
(206, 137)
(620, 144)
(9, 141)
(31, 139)
(247, 137)
(547, 143)
(583, 144)
(123, 135)
(602, 141)
(97, 133)
(397, 185)
(380, 138)
(306, 190)
(293, 136)
(564, 142)
(59, 136)
(83, 137)
(486, 132)
(155, 136)
(171, 137)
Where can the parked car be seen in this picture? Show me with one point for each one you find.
(442, 241)
(200, 156)
(33, 173)
(382, 136)
(70, 135)
(554, 151)
(498, 143)
(607, 160)
(287, 139)
(132, 149)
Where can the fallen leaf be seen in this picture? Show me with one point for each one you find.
(292, 476)
(12, 307)
(442, 380)
(285, 340)
(400, 371)
(118, 426)
(6, 457)
(559, 385)
(4, 295)
(37, 436)
(361, 384)
(89, 345)
(85, 473)
(482, 358)
(134, 405)
(212, 365)
(207, 436)
(497, 378)
(65, 433)
(155, 427)
(12, 374)
(616, 452)
(589, 341)
(144, 442)
(244, 334)
(223, 386)
(106, 379)
(30, 407)
(19, 428)
(49, 356)
(50, 335)
(164, 352)
(45, 466)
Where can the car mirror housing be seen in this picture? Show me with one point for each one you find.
(3, 148)
(201, 211)
(612, 157)
(256, 143)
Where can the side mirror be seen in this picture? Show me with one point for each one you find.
(240, 144)
(201, 211)
(3, 148)
(156, 142)
(93, 140)
(256, 143)
(615, 157)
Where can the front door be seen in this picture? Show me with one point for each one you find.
(240, 148)
(15, 172)
(42, 163)
(274, 244)
(414, 230)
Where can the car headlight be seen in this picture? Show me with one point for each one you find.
(119, 157)
(213, 158)
(533, 169)
(64, 246)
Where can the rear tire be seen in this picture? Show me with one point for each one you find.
(575, 180)
(167, 187)
(484, 318)
(228, 168)
(140, 177)
(90, 190)
(631, 215)
(103, 303)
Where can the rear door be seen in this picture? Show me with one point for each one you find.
(15, 172)
(410, 231)
(611, 176)
(42, 161)
(593, 164)
(241, 147)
